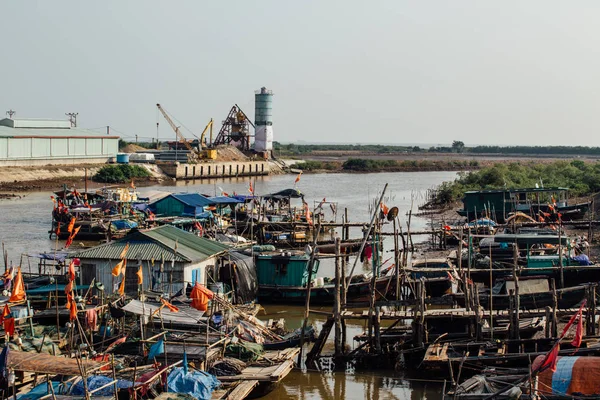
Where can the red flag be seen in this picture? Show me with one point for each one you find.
(116, 343)
(568, 325)
(384, 208)
(9, 326)
(250, 188)
(578, 333)
(551, 359)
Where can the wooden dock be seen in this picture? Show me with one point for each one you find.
(446, 313)
(273, 367)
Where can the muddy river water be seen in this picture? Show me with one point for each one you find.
(25, 221)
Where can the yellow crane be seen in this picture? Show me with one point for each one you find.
(209, 125)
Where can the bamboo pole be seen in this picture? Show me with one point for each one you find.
(337, 300)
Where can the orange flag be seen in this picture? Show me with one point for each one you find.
(131, 184)
(71, 237)
(5, 313)
(298, 178)
(18, 293)
(71, 225)
(140, 275)
(384, 208)
(72, 310)
(200, 296)
(124, 252)
(169, 305)
(116, 271)
(250, 188)
(122, 287)
(72, 270)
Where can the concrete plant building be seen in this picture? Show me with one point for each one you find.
(25, 142)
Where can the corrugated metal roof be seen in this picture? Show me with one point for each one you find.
(6, 131)
(158, 243)
(192, 199)
(35, 123)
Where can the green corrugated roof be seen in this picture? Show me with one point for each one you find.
(158, 243)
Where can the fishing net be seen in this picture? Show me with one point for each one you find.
(244, 351)
(227, 367)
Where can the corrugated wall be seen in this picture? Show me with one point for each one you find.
(57, 148)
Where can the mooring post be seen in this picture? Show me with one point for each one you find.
(554, 307)
(337, 299)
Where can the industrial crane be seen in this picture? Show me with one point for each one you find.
(177, 132)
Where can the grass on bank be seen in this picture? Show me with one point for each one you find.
(120, 173)
(581, 178)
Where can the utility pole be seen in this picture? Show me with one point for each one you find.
(157, 146)
(10, 113)
(72, 119)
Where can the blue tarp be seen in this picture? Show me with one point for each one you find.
(96, 381)
(243, 197)
(60, 256)
(224, 200)
(124, 224)
(482, 222)
(52, 288)
(561, 379)
(41, 390)
(196, 383)
(582, 259)
(140, 206)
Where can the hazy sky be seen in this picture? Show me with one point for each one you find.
(501, 72)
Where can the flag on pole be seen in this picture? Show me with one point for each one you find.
(18, 293)
(71, 237)
(71, 225)
(116, 271)
(140, 275)
(298, 177)
(170, 306)
(124, 252)
(251, 188)
(72, 270)
(157, 349)
(5, 313)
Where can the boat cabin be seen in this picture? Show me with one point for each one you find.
(499, 203)
(284, 269)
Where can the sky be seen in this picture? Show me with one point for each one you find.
(484, 72)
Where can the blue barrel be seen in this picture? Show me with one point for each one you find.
(122, 158)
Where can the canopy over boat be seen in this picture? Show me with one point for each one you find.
(284, 194)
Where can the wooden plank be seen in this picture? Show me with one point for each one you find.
(282, 371)
(242, 390)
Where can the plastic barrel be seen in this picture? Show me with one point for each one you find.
(122, 158)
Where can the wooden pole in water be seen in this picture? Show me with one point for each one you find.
(366, 234)
(396, 261)
(560, 257)
(337, 300)
(517, 302)
(311, 263)
(491, 299)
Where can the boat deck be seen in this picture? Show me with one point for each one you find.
(281, 364)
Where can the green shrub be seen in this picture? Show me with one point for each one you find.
(120, 173)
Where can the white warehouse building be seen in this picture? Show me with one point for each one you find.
(42, 142)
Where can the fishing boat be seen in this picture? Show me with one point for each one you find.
(499, 203)
(283, 278)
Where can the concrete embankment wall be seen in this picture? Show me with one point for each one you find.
(217, 169)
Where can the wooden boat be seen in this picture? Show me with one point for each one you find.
(534, 293)
(283, 278)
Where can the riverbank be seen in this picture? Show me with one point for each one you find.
(51, 177)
